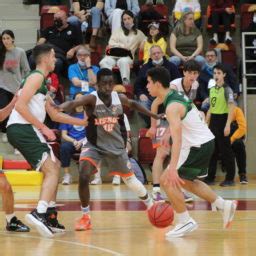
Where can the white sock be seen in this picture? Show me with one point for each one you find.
(9, 217)
(219, 203)
(52, 204)
(156, 189)
(183, 217)
(42, 206)
(85, 210)
(148, 201)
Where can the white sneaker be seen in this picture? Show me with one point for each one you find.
(67, 179)
(116, 180)
(157, 196)
(4, 138)
(182, 229)
(187, 197)
(96, 181)
(229, 212)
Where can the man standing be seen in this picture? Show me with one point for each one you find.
(192, 147)
(26, 131)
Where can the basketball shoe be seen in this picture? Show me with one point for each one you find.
(15, 225)
(53, 223)
(229, 212)
(157, 196)
(116, 180)
(182, 229)
(40, 222)
(83, 223)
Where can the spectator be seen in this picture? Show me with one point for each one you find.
(122, 46)
(73, 137)
(82, 75)
(114, 10)
(207, 74)
(182, 6)
(219, 118)
(154, 38)
(157, 59)
(13, 68)
(238, 132)
(186, 41)
(65, 39)
(89, 13)
(222, 12)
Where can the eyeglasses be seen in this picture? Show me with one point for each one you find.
(210, 55)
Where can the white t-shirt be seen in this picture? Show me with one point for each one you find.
(187, 5)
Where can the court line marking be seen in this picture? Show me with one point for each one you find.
(65, 242)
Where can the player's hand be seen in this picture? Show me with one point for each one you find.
(159, 116)
(151, 132)
(48, 133)
(172, 178)
(227, 130)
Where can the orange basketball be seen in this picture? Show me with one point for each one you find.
(161, 215)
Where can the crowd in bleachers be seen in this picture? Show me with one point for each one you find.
(138, 40)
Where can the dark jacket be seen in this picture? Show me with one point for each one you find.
(205, 76)
(140, 85)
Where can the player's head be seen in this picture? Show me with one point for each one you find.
(105, 81)
(191, 71)
(44, 54)
(219, 73)
(158, 78)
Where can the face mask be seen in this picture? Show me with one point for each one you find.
(211, 65)
(158, 62)
(58, 23)
(81, 63)
(129, 26)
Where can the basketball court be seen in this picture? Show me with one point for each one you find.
(121, 226)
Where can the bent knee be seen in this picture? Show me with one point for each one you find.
(5, 187)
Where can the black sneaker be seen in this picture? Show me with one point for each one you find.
(39, 221)
(227, 183)
(15, 225)
(53, 223)
(243, 179)
(209, 182)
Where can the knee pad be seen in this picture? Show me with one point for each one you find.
(135, 185)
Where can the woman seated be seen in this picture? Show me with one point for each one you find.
(186, 41)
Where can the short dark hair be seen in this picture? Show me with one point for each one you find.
(39, 50)
(191, 65)
(221, 67)
(213, 50)
(161, 75)
(104, 72)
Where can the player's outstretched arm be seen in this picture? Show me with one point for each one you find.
(85, 100)
(4, 112)
(60, 117)
(136, 106)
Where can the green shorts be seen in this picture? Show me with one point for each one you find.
(30, 143)
(197, 162)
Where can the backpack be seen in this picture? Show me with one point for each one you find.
(139, 171)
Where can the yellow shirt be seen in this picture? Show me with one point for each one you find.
(238, 116)
(161, 42)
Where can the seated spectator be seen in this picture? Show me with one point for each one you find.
(73, 137)
(122, 46)
(221, 13)
(237, 133)
(82, 75)
(89, 13)
(157, 59)
(114, 10)
(206, 75)
(182, 6)
(52, 83)
(65, 39)
(186, 41)
(154, 38)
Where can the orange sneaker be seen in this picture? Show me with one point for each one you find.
(84, 223)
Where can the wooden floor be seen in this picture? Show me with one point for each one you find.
(121, 227)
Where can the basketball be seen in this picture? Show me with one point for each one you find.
(161, 215)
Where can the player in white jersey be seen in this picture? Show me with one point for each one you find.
(192, 147)
(26, 131)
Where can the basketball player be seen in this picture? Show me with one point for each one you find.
(106, 135)
(192, 147)
(13, 223)
(26, 131)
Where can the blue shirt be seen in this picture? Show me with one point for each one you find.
(74, 131)
(75, 70)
